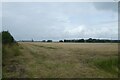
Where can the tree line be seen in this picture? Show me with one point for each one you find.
(90, 40)
(8, 38)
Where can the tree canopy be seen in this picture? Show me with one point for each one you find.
(7, 38)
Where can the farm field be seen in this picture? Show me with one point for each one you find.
(63, 60)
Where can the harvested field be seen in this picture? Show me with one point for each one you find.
(68, 60)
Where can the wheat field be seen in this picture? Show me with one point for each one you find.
(65, 60)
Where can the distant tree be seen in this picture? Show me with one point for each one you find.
(94, 40)
(43, 40)
(64, 40)
(32, 40)
(80, 40)
(90, 40)
(7, 37)
(60, 40)
(49, 40)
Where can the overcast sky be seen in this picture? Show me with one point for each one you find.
(52, 20)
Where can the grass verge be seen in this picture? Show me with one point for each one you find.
(11, 62)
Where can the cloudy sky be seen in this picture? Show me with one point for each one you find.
(60, 20)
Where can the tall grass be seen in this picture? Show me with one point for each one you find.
(10, 61)
(10, 51)
(108, 64)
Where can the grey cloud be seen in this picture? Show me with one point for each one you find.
(50, 20)
(112, 6)
(0, 17)
(39, 23)
(97, 31)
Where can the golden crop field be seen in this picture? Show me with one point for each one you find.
(64, 60)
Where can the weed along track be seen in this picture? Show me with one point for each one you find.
(68, 60)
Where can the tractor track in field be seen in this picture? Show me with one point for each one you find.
(59, 61)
